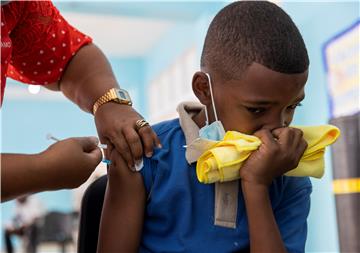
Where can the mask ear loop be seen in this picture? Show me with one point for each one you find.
(212, 97)
(207, 116)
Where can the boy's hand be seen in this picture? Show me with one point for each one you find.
(70, 162)
(279, 152)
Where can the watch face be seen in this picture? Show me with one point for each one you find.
(123, 95)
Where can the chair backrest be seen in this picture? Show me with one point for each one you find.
(55, 227)
(90, 214)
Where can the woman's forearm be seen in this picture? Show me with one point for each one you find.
(20, 174)
(263, 230)
(87, 77)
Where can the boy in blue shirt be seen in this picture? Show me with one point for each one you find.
(254, 67)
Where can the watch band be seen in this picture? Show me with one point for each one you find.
(110, 95)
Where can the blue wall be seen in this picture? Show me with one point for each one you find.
(130, 74)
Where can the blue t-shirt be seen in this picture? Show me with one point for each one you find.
(179, 215)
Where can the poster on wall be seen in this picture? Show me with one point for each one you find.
(341, 59)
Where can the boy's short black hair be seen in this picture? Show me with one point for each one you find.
(253, 31)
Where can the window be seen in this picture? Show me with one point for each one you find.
(172, 86)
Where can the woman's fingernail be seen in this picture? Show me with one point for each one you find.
(139, 165)
(149, 154)
(159, 145)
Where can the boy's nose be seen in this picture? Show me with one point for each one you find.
(272, 127)
(275, 124)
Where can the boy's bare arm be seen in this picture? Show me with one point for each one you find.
(123, 210)
(280, 152)
(263, 230)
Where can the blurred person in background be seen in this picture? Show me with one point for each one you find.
(27, 210)
(39, 47)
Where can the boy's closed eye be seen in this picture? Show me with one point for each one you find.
(257, 111)
(293, 107)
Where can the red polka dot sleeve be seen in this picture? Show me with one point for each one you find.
(43, 44)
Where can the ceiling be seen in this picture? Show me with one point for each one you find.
(163, 10)
(120, 36)
(130, 29)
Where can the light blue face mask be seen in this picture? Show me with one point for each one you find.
(215, 131)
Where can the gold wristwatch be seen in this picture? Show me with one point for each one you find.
(116, 95)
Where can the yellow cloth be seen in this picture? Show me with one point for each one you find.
(223, 160)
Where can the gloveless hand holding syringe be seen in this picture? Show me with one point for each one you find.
(100, 145)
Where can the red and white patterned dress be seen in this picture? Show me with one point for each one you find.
(36, 43)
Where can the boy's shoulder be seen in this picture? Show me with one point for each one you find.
(164, 127)
(172, 140)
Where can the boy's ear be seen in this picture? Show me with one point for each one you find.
(200, 86)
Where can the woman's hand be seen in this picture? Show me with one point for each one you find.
(70, 162)
(116, 127)
(65, 164)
